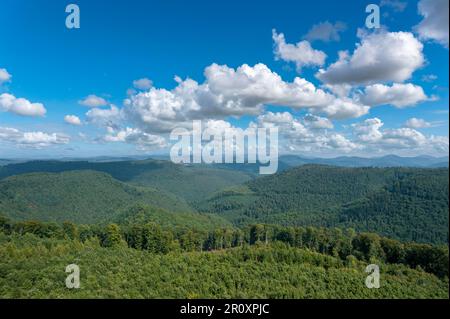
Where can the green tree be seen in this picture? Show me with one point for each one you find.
(113, 236)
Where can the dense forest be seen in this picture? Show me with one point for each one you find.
(402, 203)
(256, 261)
(189, 182)
(152, 229)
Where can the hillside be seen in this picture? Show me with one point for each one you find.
(405, 203)
(87, 197)
(189, 182)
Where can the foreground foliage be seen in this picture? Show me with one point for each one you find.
(31, 267)
(259, 261)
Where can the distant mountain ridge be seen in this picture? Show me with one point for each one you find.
(354, 161)
(285, 161)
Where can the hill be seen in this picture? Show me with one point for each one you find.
(89, 197)
(404, 203)
(189, 182)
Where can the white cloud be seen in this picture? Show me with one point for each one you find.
(380, 57)
(434, 25)
(403, 138)
(142, 140)
(225, 92)
(370, 135)
(341, 143)
(309, 134)
(21, 106)
(369, 130)
(343, 108)
(400, 95)
(416, 123)
(326, 31)
(270, 119)
(93, 101)
(302, 54)
(317, 122)
(257, 85)
(143, 84)
(35, 140)
(72, 119)
(4, 76)
(105, 117)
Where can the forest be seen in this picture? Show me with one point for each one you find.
(306, 232)
(403, 203)
(256, 261)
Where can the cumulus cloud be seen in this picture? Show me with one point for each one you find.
(72, 119)
(143, 84)
(317, 122)
(400, 95)
(416, 123)
(105, 117)
(370, 135)
(142, 140)
(367, 137)
(369, 130)
(4, 76)
(326, 31)
(93, 101)
(226, 92)
(344, 108)
(302, 54)
(434, 25)
(380, 57)
(403, 138)
(259, 85)
(270, 119)
(21, 106)
(35, 140)
(308, 134)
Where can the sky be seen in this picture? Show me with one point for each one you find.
(135, 70)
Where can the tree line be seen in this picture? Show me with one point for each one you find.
(345, 244)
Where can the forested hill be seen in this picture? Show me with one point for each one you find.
(189, 182)
(404, 203)
(90, 197)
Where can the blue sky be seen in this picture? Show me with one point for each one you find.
(123, 41)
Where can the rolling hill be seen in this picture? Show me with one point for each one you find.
(89, 197)
(189, 182)
(403, 203)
